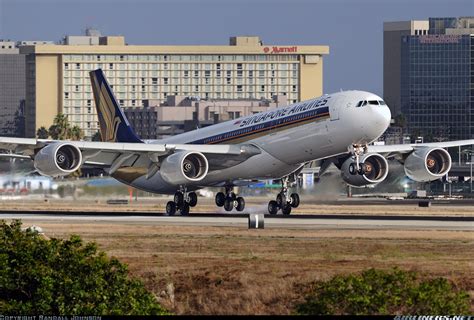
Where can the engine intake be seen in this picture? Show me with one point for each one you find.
(184, 167)
(58, 159)
(427, 164)
(375, 170)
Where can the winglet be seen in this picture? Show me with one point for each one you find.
(114, 126)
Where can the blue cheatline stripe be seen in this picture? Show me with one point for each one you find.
(266, 126)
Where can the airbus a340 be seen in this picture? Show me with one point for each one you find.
(336, 128)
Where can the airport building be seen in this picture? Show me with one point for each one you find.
(179, 114)
(57, 76)
(12, 89)
(429, 76)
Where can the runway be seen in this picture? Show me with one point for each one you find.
(241, 220)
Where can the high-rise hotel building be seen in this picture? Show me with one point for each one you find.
(429, 76)
(57, 76)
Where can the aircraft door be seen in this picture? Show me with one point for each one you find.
(334, 107)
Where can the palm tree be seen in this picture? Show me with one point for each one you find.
(60, 130)
(75, 133)
(96, 136)
(42, 133)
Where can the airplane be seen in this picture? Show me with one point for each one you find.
(335, 128)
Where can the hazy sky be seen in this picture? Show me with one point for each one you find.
(352, 29)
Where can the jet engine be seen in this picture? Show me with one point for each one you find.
(184, 167)
(58, 159)
(427, 164)
(373, 169)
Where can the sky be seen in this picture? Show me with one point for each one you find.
(353, 29)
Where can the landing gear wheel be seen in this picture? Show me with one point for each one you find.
(353, 169)
(272, 207)
(228, 204)
(220, 199)
(295, 200)
(240, 204)
(286, 209)
(193, 199)
(185, 209)
(170, 208)
(179, 199)
(279, 200)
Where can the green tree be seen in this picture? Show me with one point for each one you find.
(75, 133)
(65, 277)
(375, 292)
(60, 129)
(400, 120)
(96, 136)
(42, 133)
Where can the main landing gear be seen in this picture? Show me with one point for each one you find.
(284, 201)
(229, 200)
(183, 200)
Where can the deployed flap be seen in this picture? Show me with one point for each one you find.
(105, 154)
(393, 149)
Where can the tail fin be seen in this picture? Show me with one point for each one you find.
(114, 126)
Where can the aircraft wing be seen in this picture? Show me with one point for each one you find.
(396, 149)
(106, 154)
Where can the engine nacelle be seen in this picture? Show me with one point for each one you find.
(427, 164)
(58, 159)
(375, 170)
(184, 167)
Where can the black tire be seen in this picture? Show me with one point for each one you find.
(193, 199)
(240, 204)
(273, 207)
(362, 169)
(286, 209)
(295, 200)
(228, 204)
(185, 209)
(352, 169)
(170, 208)
(220, 199)
(179, 199)
(279, 200)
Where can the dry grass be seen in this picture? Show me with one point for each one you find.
(231, 270)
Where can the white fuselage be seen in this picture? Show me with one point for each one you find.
(287, 137)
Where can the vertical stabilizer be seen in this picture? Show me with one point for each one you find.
(114, 126)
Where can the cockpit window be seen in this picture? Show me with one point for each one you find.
(363, 103)
(371, 102)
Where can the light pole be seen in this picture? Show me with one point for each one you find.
(472, 160)
(459, 155)
(471, 153)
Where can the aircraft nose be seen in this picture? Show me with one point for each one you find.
(381, 119)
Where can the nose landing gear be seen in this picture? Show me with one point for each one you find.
(284, 201)
(182, 201)
(358, 167)
(229, 200)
